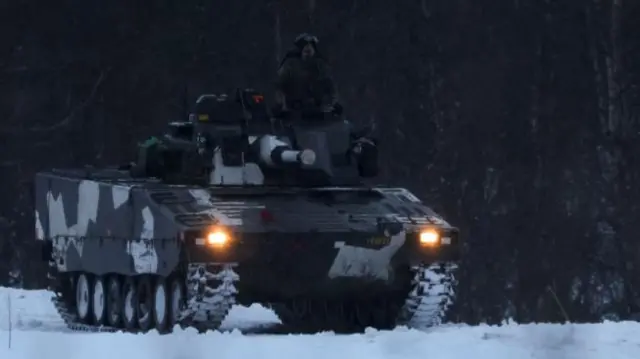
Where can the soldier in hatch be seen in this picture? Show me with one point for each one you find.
(304, 81)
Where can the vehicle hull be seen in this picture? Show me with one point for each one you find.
(285, 245)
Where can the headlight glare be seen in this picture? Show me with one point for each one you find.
(217, 237)
(429, 237)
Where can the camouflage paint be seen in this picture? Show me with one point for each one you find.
(353, 261)
(120, 225)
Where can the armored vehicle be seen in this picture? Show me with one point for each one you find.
(235, 206)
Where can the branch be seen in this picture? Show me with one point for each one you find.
(69, 118)
(557, 300)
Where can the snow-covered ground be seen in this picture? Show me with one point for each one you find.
(38, 333)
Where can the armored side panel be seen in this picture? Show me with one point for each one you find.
(285, 244)
(119, 227)
(100, 227)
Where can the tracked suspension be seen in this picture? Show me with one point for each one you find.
(211, 291)
(210, 294)
(431, 296)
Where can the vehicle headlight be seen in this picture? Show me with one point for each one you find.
(217, 237)
(429, 237)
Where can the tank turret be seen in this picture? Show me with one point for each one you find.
(235, 142)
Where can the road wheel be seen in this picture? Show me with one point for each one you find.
(99, 301)
(161, 312)
(176, 301)
(114, 301)
(129, 307)
(145, 303)
(83, 298)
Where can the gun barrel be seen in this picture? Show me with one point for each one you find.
(306, 157)
(274, 152)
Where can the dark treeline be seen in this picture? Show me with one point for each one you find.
(518, 120)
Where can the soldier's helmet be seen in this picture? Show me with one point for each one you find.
(304, 39)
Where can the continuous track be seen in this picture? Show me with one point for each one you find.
(210, 294)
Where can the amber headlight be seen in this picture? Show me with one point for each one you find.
(429, 237)
(217, 238)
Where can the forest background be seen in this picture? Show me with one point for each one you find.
(516, 119)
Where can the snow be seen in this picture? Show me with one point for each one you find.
(38, 332)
